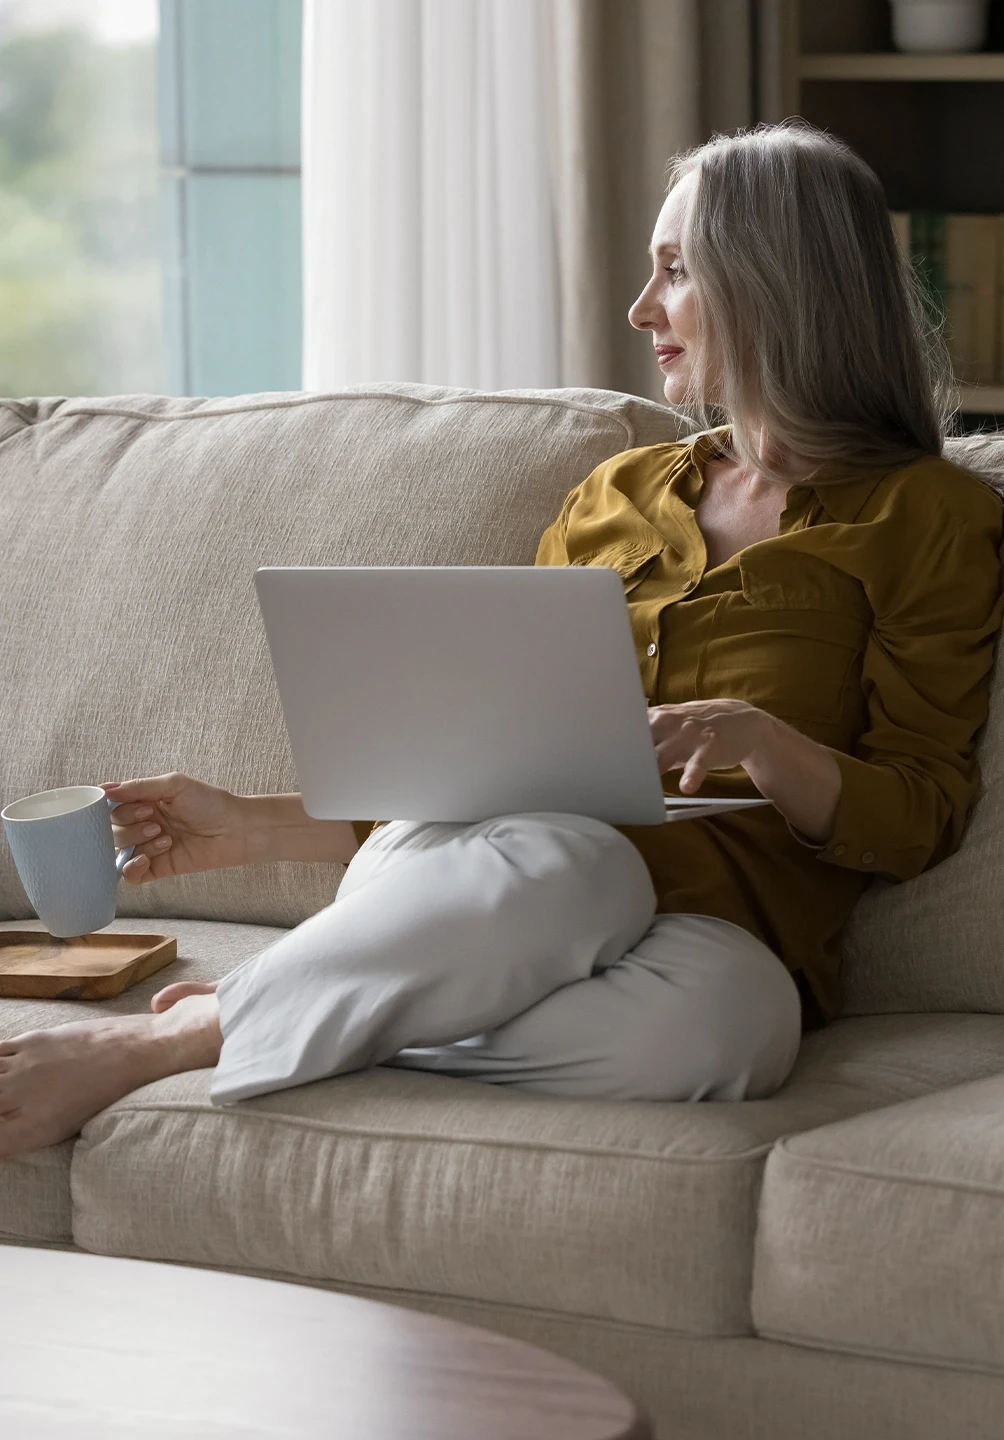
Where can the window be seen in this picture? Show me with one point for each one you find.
(230, 125)
(80, 274)
(149, 196)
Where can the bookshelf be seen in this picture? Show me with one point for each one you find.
(931, 126)
(983, 399)
(901, 67)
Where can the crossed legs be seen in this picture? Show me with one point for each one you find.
(524, 950)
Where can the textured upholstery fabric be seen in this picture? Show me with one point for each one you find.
(633, 1211)
(132, 642)
(35, 1197)
(35, 1188)
(882, 1235)
(937, 942)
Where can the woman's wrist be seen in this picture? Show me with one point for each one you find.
(277, 828)
(799, 776)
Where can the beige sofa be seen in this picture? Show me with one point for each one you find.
(829, 1262)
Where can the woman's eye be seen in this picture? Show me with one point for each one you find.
(675, 271)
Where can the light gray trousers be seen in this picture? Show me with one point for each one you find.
(524, 950)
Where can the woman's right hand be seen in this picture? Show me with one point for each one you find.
(178, 825)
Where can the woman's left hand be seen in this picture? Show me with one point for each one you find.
(703, 735)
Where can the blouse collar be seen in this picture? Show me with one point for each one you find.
(841, 487)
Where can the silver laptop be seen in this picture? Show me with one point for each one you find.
(459, 693)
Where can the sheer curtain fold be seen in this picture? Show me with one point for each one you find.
(480, 179)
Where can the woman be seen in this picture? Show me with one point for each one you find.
(814, 596)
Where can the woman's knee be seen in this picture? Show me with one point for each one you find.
(554, 869)
(593, 854)
(722, 1021)
(581, 868)
(754, 1023)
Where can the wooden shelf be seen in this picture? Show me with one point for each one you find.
(894, 66)
(982, 399)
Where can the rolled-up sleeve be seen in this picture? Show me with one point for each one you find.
(910, 784)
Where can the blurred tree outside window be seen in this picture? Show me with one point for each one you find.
(80, 229)
(149, 197)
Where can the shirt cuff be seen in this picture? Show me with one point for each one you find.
(848, 845)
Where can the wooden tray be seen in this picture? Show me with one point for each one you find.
(36, 966)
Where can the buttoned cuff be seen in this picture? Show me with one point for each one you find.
(855, 843)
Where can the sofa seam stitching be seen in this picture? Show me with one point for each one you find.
(182, 1107)
(488, 397)
(866, 1173)
(876, 1353)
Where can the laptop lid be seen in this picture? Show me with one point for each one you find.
(459, 693)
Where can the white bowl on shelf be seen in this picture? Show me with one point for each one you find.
(925, 26)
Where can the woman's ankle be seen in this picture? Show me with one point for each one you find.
(188, 1035)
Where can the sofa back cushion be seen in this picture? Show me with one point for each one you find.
(937, 942)
(131, 529)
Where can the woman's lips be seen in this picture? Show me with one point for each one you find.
(664, 354)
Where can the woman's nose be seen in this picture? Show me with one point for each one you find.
(644, 313)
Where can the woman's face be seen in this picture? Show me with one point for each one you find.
(667, 306)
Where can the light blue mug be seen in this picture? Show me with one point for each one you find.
(62, 845)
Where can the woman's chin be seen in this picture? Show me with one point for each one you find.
(674, 389)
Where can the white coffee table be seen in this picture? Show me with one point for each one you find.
(106, 1349)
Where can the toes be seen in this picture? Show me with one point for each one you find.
(170, 995)
(180, 990)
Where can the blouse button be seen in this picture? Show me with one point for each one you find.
(867, 857)
(651, 650)
(839, 849)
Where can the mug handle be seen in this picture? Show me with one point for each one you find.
(122, 857)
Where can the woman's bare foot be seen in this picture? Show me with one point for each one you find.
(180, 990)
(53, 1081)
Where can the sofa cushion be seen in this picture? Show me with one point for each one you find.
(935, 942)
(35, 1188)
(882, 1235)
(629, 1211)
(132, 527)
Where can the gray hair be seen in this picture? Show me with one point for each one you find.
(982, 455)
(812, 319)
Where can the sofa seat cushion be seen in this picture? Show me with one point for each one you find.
(635, 1211)
(883, 1235)
(35, 1188)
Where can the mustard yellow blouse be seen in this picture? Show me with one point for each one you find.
(868, 623)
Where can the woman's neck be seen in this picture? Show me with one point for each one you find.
(774, 466)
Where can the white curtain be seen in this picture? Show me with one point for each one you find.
(429, 245)
(480, 180)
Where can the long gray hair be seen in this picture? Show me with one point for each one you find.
(811, 317)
